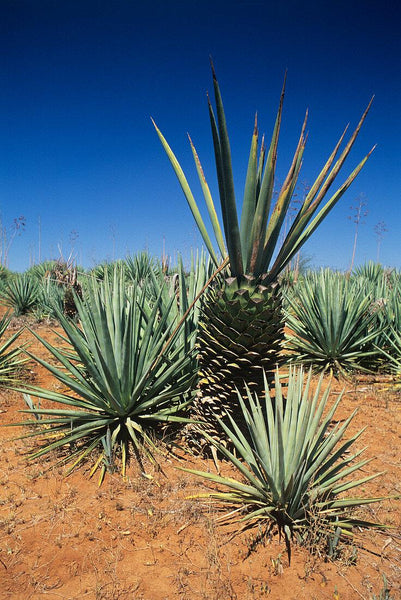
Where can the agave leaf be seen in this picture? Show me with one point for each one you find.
(266, 193)
(188, 194)
(209, 202)
(281, 208)
(227, 482)
(261, 164)
(250, 197)
(303, 231)
(352, 484)
(228, 204)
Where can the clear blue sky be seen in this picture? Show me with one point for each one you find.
(80, 80)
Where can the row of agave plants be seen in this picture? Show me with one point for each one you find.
(147, 353)
(336, 322)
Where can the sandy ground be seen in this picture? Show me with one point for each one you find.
(65, 537)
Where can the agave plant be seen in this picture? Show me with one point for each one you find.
(185, 288)
(20, 293)
(294, 468)
(383, 287)
(127, 373)
(11, 359)
(65, 274)
(332, 324)
(5, 274)
(370, 270)
(42, 270)
(51, 289)
(139, 267)
(100, 270)
(392, 352)
(242, 325)
(50, 300)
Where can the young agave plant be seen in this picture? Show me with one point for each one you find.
(139, 267)
(392, 352)
(100, 270)
(42, 270)
(242, 324)
(128, 372)
(21, 294)
(371, 271)
(186, 289)
(332, 323)
(294, 468)
(386, 306)
(11, 358)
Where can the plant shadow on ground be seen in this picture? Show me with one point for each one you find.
(146, 539)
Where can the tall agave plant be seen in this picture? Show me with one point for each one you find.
(242, 325)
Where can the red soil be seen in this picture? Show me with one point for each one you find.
(64, 537)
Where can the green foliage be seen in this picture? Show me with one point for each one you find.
(184, 287)
(11, 359)
(294, 467)
(20, 294)
(392, 352)
(252, 243)
(333, 323)
(370, 270)
(384, 592)
(387, 308)
(50, 300)
(5, 275)
(100, 271)
(140, 267)
(128, 372)
(375, 272)
(42, 270)
(54, 279)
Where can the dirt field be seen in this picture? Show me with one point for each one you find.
(64, 537)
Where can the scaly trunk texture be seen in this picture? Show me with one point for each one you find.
(241, 332)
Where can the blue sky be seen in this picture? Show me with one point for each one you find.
(80, 80)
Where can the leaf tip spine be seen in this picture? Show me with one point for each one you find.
(370, 103)
(212, 67)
